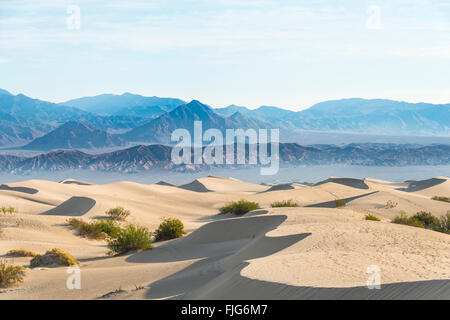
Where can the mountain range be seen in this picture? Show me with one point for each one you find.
(156, 156)
(122, 120)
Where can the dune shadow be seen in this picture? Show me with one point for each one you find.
(332, 204)
(202, 272)
(75, 206)
(243, 288)
(19, 189)
(195, 186)
(349, 182)
(219, 246)
(422, 184)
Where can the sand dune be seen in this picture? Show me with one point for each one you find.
(314, 251)
(72, 181)
(354, 183)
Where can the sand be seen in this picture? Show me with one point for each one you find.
(314, 251)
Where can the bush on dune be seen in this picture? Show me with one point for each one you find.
(426, 220)
(118, 213)
(170, 228)
(99, 229)
(54, 256)
(441, 198)
(21, 253)
(239, 207)
(9, 210)
(284, 203)
(340, 203)
(11, 274)
(372, 217)
(130, 238)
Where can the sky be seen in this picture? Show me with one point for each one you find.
(283, 53)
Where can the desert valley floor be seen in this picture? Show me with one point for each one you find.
(314, 251)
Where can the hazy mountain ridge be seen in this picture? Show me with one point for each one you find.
(153, 119)
(125, 104)
(75, 135)
(144, 158)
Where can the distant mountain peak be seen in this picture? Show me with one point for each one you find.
(74, 134)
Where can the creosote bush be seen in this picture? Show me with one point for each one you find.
(10, 274)
(170, 228)
(340, 203)
(239, 207)
(441, 198)
(130, 238)
(98, 229)
(54, 256)
(371, 217)
(9, 210)
(21, 253)
(284, 203)
(118, 213)
(426, 220)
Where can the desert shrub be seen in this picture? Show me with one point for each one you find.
(390, 204)
(99, 229)
(9, 210)
(54, 256)
(441, 198)
(239, 207)
(444, 225)
(170, 228)
(414, 222)
(428, 220)
(111, 228)
(340, 203)
(118, 213)
(372, 217)
(409, 221)
(130, 238)
(21, 253)
(401, 219)
(284, 203)
(10, 274)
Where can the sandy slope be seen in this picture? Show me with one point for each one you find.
(312, 251)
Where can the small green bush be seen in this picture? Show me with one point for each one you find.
(11, 274)
(21, 253)
(118, 213)
(372, 217)
(130, 238)
(54, 256)
(170, 228)
(428, 220)
(340, 203)
(239, 207)
(9, 210)
(284, 203)
(441, 198)
(411, 221)
(99, 229)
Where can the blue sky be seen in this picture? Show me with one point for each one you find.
(286, 53)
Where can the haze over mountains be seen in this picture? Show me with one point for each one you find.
(125, 120)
